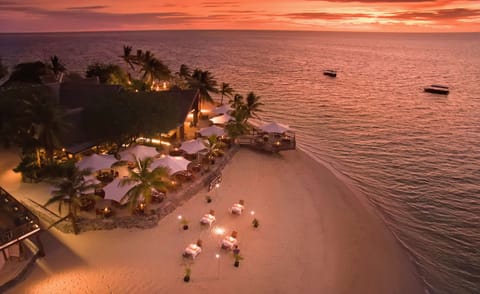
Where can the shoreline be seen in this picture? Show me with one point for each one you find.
(314, 236)
(359, 195)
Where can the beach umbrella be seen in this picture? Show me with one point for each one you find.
(138, 151)
(96, 162)
(173, 163)
(274, 128)
(91, 179)
(212, 131)
(114, 191)
(221, 109)
(193, 146)
(222, 119)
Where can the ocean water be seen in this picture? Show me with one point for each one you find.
(416, 156)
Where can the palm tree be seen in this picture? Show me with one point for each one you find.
(225, 90)
(3, 70)
(253, 105)
(127, 57)
(238, 126)
(56, 66)
(47, 124)
(204, 82)
(183, 76)
(144, 181)
(185, 72)
(215, 147)
(236, 102)
(152, 67)
(67, 192)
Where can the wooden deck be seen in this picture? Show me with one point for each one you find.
(269, 142)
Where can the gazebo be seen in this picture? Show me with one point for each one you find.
(95, 162)
(193, 146)
(173, 163)
(222, 109)
(116, 192)
(222, 119)
(274, 128)
(212, 131)
(138, 151)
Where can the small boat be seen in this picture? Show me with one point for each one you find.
(437, 89)
(330, 73)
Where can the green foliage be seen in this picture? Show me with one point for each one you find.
(215, 147)
(68, 191)
(28, 167)
(3, 70)
(29, 117)
(60, 169)
(147, 65)
(238, 257)
(108, 73)
(56, 66)
(204, 82)
(253, 105)
(28, 72)
(238, 126)
(145, 181)
(225, 90)
(47, 121)
(255, 223)
(183, 76)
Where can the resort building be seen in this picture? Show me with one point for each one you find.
(76, 95)
(19, 238)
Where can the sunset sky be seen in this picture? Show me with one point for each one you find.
(328, 15)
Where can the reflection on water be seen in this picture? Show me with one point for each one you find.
(415, 155)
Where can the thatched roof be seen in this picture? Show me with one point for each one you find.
(80, 93)
(176, 102)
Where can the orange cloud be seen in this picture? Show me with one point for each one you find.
(380, 15)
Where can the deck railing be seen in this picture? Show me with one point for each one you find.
(25, 222)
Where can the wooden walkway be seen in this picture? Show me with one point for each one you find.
(269, 142)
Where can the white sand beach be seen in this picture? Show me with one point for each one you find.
(315, 236)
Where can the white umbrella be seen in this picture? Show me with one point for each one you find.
(212, 131)
(96, 162)
(91, 179)
(222, 119)
(138, 151)
(193, 146)
(221, 109)
(274, 128)
(114, 191)
(173, 163)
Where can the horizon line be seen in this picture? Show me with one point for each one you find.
(232, 30)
